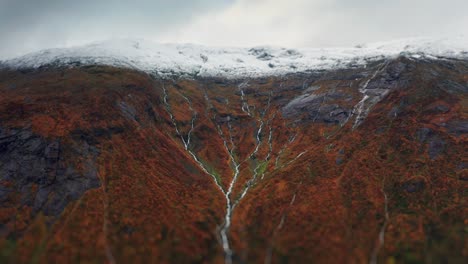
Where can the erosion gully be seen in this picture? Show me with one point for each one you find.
(259, 116)
(263, 115)
(381, 236)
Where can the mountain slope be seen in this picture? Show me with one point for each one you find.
(361, 163)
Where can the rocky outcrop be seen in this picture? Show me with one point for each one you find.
(458, 127)
(36, 168)
(320, 107)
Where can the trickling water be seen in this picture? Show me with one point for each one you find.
(227, 218)
(230, 135)
(298, 156)
(259, 131)
(227, 194)
(194, 117)
(230, 146)
(278, 156)
(269, 251)
(359, 109)
(270, 146)
(186, 143)
(381, 238)
(245, 105)
(251, 182)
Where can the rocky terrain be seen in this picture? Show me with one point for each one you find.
(362, 163)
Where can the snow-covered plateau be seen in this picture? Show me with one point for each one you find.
(196, 60)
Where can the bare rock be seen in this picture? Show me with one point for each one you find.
(27, 159)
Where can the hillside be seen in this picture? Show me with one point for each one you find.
(188, 154)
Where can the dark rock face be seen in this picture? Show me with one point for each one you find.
(393, 77)
(451, 86)
(224, 119)
(440, 108)
(336, 114)
(340, 102)
(33, 163)
(462, 166)
(436, 146)
(413, 186)
(221, 100)
(340, 157)
(261, 54)
(128, 111)
(319, 107)
(458, 127)
(423, 133)
(92, 137)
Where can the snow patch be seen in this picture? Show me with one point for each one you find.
(195, 60)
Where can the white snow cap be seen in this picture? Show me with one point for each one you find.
(195, 60)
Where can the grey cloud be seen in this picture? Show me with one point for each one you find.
(27, 25)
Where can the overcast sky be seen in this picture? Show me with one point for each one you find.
(30, 25)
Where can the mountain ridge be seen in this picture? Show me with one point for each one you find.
(196, 60)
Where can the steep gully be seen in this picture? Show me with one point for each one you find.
(263, 119)
(360, 110)
(381, 237)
